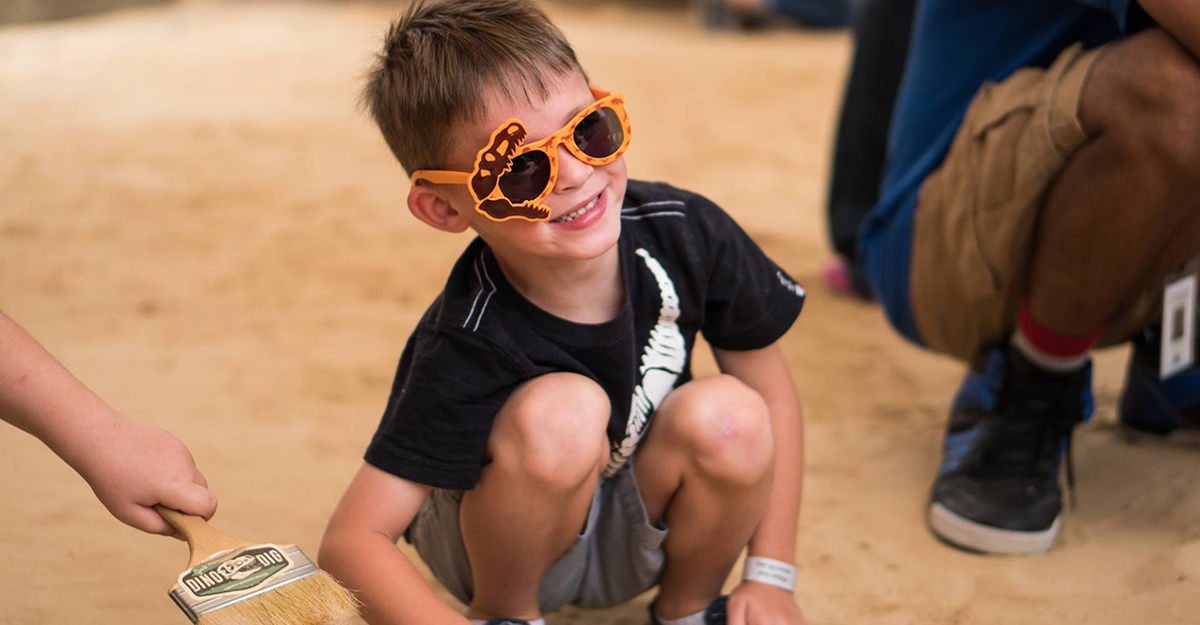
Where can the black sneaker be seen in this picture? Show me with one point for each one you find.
(997, 490)
(1167, 408)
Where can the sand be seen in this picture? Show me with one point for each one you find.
(195, 219)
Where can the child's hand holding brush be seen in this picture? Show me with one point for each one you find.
(131, 466)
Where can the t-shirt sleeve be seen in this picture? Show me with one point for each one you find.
(751, 302)
(448, 388)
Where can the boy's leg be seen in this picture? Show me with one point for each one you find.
(545, 452)
(705, 470)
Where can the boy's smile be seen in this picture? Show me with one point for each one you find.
(584, 215)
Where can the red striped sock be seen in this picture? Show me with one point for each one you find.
(1050, 350)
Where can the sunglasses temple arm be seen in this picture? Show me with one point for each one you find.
(441, 177)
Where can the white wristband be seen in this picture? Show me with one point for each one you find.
(770, 572)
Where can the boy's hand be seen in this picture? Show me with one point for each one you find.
(758, 604)
(131, 466)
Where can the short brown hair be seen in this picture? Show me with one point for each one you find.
(438, 59)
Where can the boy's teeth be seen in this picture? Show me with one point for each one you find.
(577, 214)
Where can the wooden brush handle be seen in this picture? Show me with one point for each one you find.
(203, 538)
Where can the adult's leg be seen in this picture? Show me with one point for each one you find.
(882, 34)
(545, 453)
(1124, 211)
(705, 470)
(1118, 216)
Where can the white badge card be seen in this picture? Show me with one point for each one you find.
(1178, 324)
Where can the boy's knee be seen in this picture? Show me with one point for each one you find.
(727, 428)
(553, 429)
(1152, 87)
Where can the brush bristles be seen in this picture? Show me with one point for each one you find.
(314, 600)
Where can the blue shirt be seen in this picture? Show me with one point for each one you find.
(957, 45)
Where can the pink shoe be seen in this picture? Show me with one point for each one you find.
(840, 279)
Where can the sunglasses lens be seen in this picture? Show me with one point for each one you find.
(528, 177)
(600, 135)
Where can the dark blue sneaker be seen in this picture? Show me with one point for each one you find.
(1010, 427)
(1163, 408)
(714, 614)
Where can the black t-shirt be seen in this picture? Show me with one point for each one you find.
(687, 266)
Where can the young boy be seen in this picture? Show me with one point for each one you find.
(544, 443)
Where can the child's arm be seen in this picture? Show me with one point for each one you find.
(765, 371)
(360, 550)
(131, 466)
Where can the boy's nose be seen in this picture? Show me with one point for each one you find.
(572, 172)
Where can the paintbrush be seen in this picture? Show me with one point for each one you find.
(233, 582)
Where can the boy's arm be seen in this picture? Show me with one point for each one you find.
(130, 465)
(359, 549)
(766, 372)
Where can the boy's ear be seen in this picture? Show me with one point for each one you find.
(431, 206)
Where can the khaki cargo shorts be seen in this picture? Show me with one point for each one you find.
(975, 218)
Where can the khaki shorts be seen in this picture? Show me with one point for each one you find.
(617, 555)
(974, 224)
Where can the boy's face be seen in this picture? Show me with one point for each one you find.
(585, 203)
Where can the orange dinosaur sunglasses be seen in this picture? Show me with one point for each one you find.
(511, 179)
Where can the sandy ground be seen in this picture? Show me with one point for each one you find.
(196, 220)
(15, 11)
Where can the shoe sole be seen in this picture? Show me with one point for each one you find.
(967, 534)
(1184, 437)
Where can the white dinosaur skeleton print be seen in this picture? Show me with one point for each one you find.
(663, 360)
